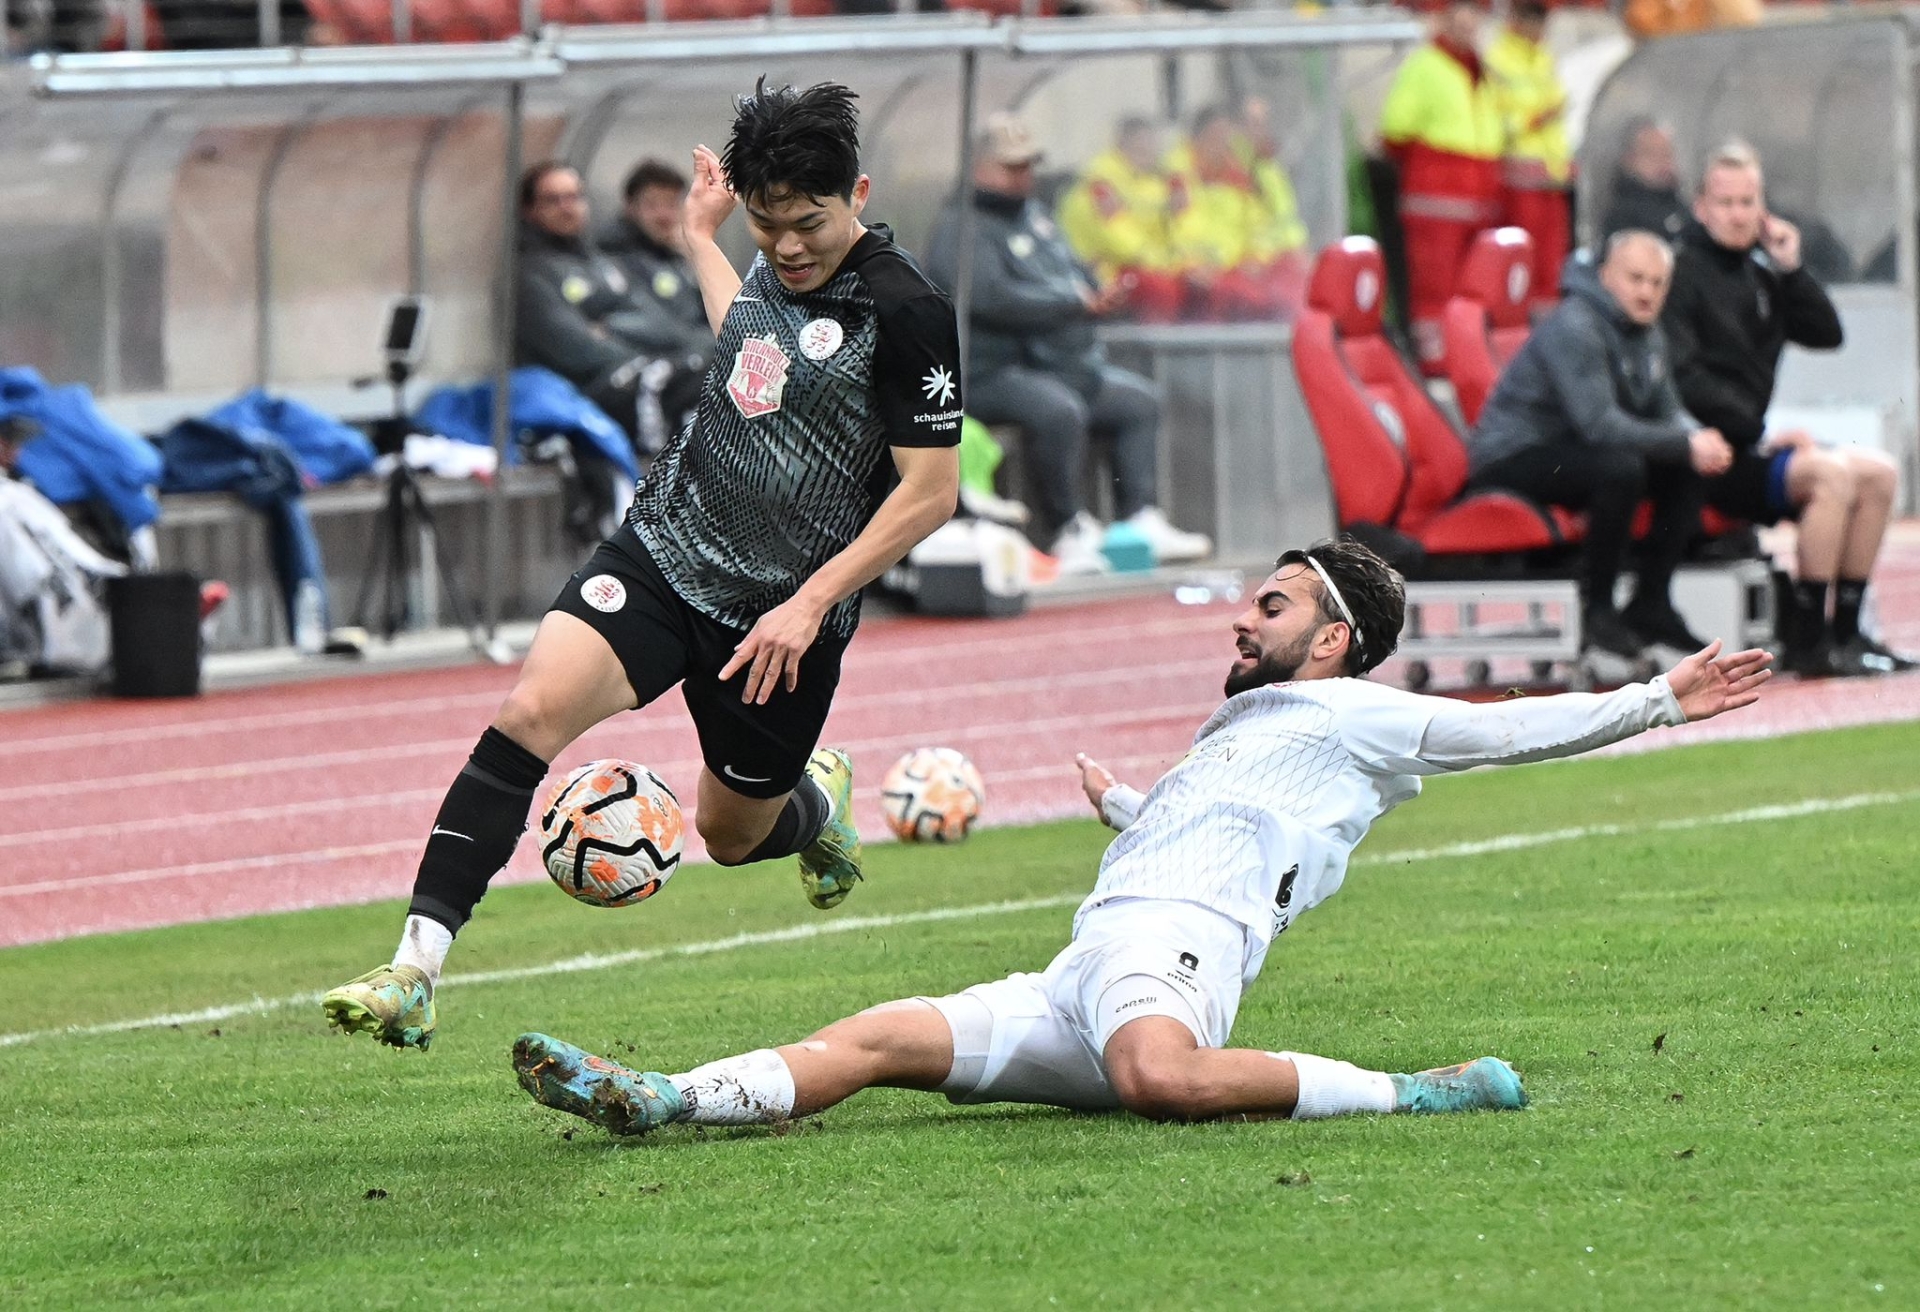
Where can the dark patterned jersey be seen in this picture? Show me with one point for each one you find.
(781, 465)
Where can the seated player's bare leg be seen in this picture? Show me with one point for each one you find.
(1876, 481)
(571, 681)
(1821, 486)
(731, 824)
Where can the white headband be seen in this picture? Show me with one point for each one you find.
(1339, 603)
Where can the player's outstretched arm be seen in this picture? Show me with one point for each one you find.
(709, 202)
(1461, 735)
(1707, 684)
(1116, 804)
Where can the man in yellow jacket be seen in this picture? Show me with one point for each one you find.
(1116, 217)
(1538, 167)
(1235, 228)
(1441, 125)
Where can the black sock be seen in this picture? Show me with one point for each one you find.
(1809, 612)
(477, 828)
(800, 822)
(1847, 596)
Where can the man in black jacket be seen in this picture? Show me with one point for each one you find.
(1586, 417)
(644, 239)
(1646, 190)
(1035, 361)
(576, 314)
(1739, 296)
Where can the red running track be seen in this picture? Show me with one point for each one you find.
(319, 794)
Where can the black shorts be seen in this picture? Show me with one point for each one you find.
(1754, 488)
(661, 640)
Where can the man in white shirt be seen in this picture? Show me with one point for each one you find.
(1254, 826)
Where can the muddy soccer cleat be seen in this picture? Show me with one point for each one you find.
(392, 1003)
(570, 1079)
(830, 866)
(633, 1102)
(1483, 1085)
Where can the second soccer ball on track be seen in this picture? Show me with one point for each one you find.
(610, 834)
(932, 795)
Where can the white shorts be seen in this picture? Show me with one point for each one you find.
(1039, 1038)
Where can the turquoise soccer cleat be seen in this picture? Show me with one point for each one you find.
(830, 867)
(1483, 1085)
(392, 1003)
(570, 1079)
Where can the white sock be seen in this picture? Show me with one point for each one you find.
(755, 1088)
(1336, 1088)
(424, 944)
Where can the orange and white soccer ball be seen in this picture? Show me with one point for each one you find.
(610, 834)
(932, 795)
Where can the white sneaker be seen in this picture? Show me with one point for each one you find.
(1078, 547)
(988, 506)
(1169, 543)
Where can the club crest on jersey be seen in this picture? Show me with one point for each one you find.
(759, 377)
(604, 593)
(821, 338)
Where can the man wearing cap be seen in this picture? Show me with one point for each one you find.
(1036, 361)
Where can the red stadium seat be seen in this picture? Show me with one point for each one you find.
(1486, 321)
(1394, 458)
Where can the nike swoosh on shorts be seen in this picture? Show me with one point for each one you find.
(450, 833)
(730, 773)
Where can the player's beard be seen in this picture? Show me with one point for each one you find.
(1272, 667)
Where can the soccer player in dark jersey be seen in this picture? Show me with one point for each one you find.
(738, 572)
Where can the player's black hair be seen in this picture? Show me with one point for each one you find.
(531, 179)
(652, 173)
(1375, 597)
(793, 143)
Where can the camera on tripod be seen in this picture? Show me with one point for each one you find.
(408, 539)
(402, 346)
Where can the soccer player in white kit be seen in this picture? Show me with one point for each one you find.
(1253, 827)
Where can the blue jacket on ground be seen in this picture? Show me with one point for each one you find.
(80, 454)
(327, 450)
(542, 402)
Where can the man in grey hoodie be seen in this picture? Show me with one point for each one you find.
(1586, 417)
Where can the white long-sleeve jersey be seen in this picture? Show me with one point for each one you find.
(1258, 820)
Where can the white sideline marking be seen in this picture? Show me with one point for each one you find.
(571, 965)
(794, 933)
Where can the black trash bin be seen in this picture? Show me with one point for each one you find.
(155, 620)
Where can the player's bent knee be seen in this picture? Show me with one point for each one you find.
(1156, 1091)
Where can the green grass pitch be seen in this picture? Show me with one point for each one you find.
(1716, 1019)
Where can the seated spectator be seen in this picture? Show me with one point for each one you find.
(1646, 189)
(644, 239)
(1116, 215)
(1035, 360)
(1739, 296)
(1236, 229)
(576, 314)
(1586, 417)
